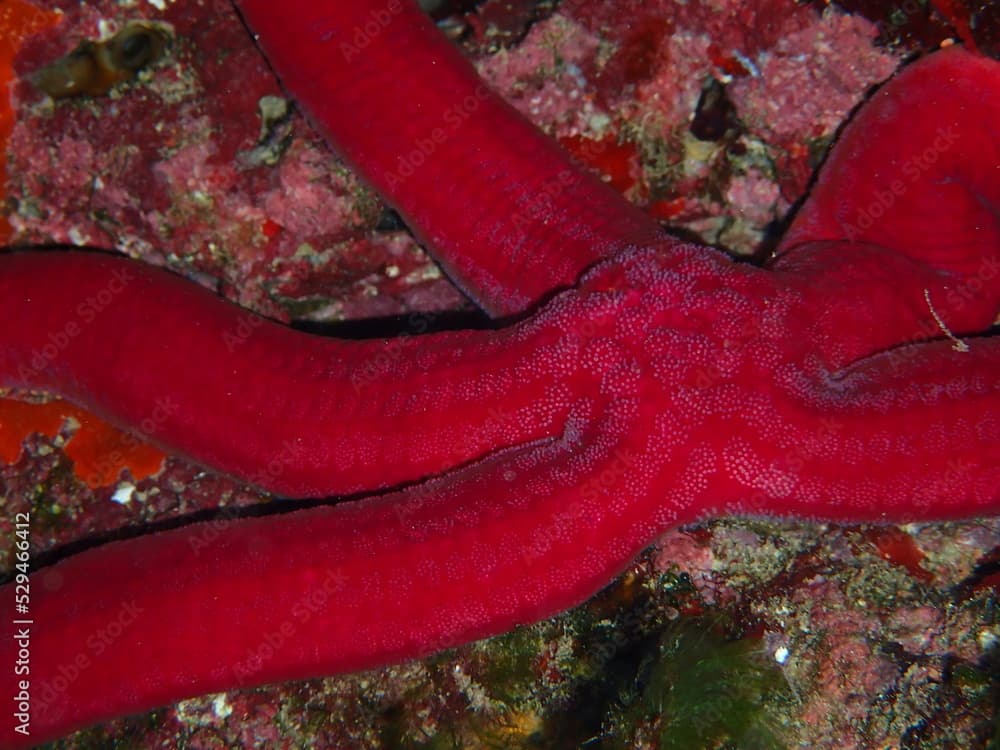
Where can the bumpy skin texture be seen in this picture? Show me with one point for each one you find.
(820, 387)
(436, 155)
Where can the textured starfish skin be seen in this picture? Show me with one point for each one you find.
(820, 387)
(546, 221)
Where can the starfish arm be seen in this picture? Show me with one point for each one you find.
(915, 170)
(505, 211)
(900, 237)
(857, 300)
(293, 413)
(330, 589)
(909, 434)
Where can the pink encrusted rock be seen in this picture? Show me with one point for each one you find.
(754, 198)
(549, 77)
(680, 551)
(163, 169)
(314, 195)
(808, 82)
(667, 100)
(792, 74)
(832, 653)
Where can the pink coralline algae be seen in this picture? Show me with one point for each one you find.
(172, 169)
(809, 80)
(793, 75)
(546, 77)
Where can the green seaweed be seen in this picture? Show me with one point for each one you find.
(510, 669)
(702, 690)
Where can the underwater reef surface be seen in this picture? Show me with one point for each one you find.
(711, 116)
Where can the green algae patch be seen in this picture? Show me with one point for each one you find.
(702, 690)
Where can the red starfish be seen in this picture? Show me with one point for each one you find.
(844, 381)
